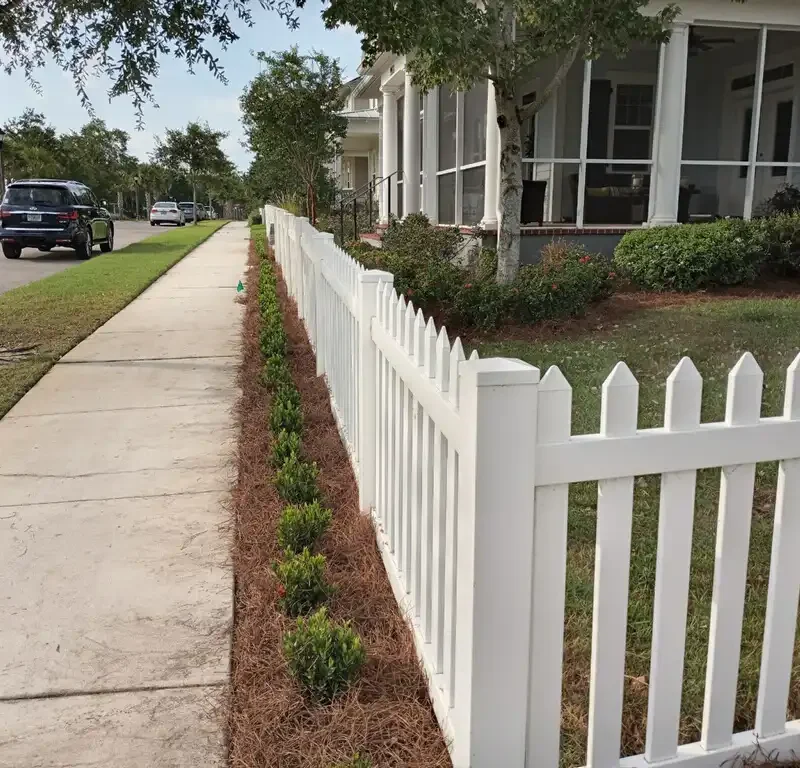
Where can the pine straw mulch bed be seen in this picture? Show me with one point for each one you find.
(387, 715)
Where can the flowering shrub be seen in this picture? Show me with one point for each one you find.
(687, 257)
(781, 234)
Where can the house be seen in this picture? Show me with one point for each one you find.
(357, 162)
(701, 127)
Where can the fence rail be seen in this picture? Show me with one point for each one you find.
(465, 467)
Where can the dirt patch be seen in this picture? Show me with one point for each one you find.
(387, 715)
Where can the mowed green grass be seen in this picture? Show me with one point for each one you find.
(714, 334)
(52, 315)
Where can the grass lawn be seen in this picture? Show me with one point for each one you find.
(651, 341)
(52, 315)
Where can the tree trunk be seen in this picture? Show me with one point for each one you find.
(119, 202)
(147, 201)
(510, 189)
(136, 192)
(312, 205)
(194, 203)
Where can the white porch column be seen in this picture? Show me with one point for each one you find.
(491, 191)
(430, 156)
(410, 147)
(389, 146)
(666, 173)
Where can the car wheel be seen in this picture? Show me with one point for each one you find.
(152, 223)
(45, 248)
(12, 250)
(84, 250)
(108, 245)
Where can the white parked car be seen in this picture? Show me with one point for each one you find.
(167, 213)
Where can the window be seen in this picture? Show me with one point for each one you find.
(473, 180)
(475, 124)
(447, 128)
(783, 137)
(633, 123)
(35, 194)
(747, 131)
(447, 198)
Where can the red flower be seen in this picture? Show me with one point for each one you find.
(554, 286)
(281, 590)
(409, 292)
(585, 259)
(468, 285)
(612, 275)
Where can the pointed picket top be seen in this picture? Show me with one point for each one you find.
(401, 314)
(554, 420)
(620, 405)
(381, 294)
(392, 324)
(408, 331)
(684, 397)
(419, 338)
(745, 382)
(791, 398)
(474, 355)
(386, 298)
(429, 348)
(456, 357)
(443, 361)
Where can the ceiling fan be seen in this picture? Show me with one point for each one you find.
(701, 44)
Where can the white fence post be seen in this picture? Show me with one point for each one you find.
(367, 390)
(498, 406)
(322, 242)
(300, 225)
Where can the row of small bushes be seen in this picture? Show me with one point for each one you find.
(324, 656)
(428, 264)
(689, 257)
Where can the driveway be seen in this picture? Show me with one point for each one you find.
(34, 265)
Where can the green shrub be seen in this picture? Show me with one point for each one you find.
(786, 199)
(285, 412)
(415, 237)
(688, 257)
(276, 373)
(781, 235)
(255, 218)
(486, 265)
(301, 526)
(285, 445)
(303, 586)
(273, 340)
(323, 656)
(296, 481)
(483, 303)
(356, 761)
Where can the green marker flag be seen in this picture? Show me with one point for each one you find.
(239, 287)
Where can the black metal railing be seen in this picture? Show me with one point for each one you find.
(349, 204)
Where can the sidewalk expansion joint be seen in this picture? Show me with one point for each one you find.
(108, 691)
(146, 359)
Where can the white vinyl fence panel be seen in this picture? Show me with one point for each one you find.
(465, 467)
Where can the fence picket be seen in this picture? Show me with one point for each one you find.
(730, 568)
(416, 459)
(549, 577)
(674, 553)
(784, 583)
(611, 565)
(411, 409)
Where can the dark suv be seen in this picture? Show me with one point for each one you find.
(43, 213)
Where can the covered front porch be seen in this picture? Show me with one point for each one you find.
(704, 126)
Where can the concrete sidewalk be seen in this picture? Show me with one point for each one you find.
(115, 585)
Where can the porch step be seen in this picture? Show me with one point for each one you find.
(371, 238)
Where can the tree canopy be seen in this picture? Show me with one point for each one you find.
(291, 115)
(99, 157)
(457, 42)
(194, 153)
(123, 41)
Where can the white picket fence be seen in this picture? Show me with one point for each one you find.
(465, 467)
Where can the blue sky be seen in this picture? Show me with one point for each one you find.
(181, 96)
